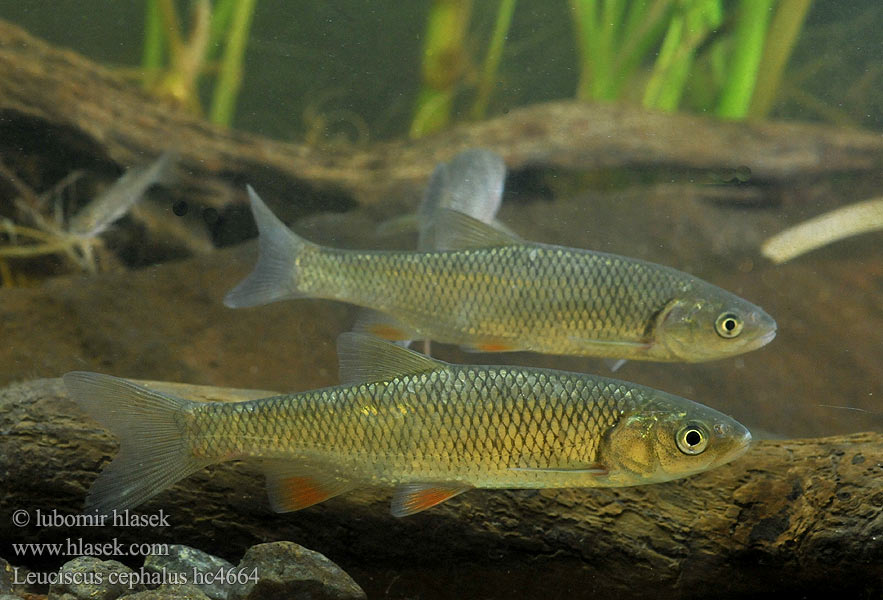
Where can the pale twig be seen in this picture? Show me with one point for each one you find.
(841, 223)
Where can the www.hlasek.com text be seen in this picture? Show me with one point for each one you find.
(80, 547)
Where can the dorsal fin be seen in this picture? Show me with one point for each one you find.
(364, 358)
(453, 230)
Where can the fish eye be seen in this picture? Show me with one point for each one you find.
(692, 439)
(728, 325)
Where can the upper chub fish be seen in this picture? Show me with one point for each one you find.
(487, 290)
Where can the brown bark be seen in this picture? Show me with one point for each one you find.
(89, 112)
(797, 515)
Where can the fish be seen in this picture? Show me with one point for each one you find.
(471, 183)
(93, 219)
(401, 419)
(490, 291)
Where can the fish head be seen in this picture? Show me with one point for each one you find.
(713, 325)
(669, 440)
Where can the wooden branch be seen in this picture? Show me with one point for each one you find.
(89, 110)
(798, 516)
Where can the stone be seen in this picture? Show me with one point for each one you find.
(192, 564)
(169, 592)
(285, 570)
(88, 578)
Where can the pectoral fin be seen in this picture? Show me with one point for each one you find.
(416, 497)
(291, 487)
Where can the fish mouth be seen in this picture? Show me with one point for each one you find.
(760, 341)
(767, 338)
(741, 447)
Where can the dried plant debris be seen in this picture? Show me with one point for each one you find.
(51, 225)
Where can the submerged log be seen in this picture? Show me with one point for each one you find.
(796, 516)
(91, 113)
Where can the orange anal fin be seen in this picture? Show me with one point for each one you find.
(294, 491)
(416, 497)
(387, 332)
(490, 346)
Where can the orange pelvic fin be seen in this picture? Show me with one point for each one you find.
(383, 326)
(290, 488)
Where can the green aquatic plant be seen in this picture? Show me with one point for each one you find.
(745, 48)
(685, 32)
(780, 39)
(444, 63)
(174, 67)
(612, 39)
(744, 62)
(447, 68)
(725, 58)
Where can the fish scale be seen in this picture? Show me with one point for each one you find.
(538, 295)
(380, 432)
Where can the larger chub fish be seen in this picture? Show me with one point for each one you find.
(488, 290)
(430, 429)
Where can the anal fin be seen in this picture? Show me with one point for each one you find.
(490, 346)
(413, 498)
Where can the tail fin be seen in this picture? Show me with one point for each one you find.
(274, 277)
(154, 451)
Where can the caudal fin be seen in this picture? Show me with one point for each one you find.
(275, 276)
(154, 452)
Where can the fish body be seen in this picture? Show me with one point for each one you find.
(116, 201)
(428, 428)
(490, 291)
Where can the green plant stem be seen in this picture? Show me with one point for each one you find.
(222, 13)
(172, 27)
(687, 31)
(612, 13)
(780, 39)
(644, 26)
(662, 69)
(230, 74)
(444, 59)
(747, 50)
(493, 57)
(154, 44)
(588, 44)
